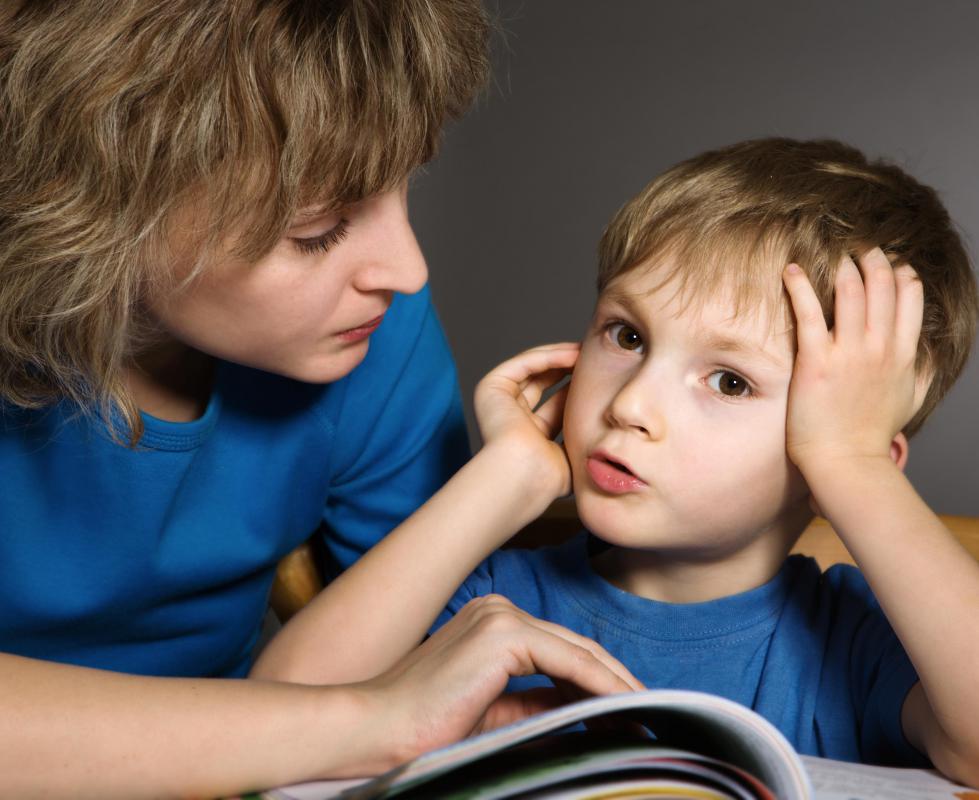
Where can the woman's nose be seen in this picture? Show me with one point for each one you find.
(395, 261)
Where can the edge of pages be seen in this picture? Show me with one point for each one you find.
(782, 768)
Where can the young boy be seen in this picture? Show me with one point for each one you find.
(707, 418)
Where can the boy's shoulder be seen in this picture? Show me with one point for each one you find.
(554, 562)
(531, 578)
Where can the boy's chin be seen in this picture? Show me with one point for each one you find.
(612, 525)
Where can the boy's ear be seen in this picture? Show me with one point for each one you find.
(899, 450)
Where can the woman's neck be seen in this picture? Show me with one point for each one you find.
(171, 381)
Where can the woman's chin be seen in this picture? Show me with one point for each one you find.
(319, 368)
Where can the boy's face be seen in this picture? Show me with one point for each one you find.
(675, 423)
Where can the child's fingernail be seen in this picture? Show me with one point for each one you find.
(793, 268)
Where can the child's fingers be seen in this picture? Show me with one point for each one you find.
(534, 388)
(532, 362)
(879, 285)
(551, 412)
(850, 303)
(810, 326)
(909, 309)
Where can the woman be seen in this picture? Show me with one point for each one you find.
(214, 339)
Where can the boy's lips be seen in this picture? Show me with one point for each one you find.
(613, 475)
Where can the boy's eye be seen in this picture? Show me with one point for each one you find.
(625, 337)
(323, 242)
(728, 383)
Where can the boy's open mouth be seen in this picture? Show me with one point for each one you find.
(612, 475)
(617, 465)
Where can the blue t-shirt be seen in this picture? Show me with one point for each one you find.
(159, 560)
(811, 652)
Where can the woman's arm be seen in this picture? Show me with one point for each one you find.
(74, 732)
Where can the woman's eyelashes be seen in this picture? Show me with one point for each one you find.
(323, 242)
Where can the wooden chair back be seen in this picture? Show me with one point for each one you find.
(299, 577)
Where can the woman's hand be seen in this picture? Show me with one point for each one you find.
(509, 411)
(452, 685)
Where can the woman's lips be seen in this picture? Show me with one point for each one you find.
(361, 331)
(612, 477)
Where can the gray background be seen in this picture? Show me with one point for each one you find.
(592, 99)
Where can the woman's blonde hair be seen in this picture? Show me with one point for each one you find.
(730, 219)
(116, 115)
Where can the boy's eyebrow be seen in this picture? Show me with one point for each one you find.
(714, 340)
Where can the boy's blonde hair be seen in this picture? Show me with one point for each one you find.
(732, 218)
(116, 116)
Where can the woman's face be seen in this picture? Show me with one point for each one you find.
(307, 308)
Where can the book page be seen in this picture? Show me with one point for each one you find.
(840, 780)
(726, 725)
(315, 790)
(711, 723)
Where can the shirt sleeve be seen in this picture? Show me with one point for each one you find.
(881, 674)
(399, 430)
(479, 583)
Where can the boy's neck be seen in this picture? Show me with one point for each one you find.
(669, 577)
(171, 381)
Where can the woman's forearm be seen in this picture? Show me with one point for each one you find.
(75, 732)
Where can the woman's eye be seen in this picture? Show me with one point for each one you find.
(323, 242)
(728, 383)
(625, 337)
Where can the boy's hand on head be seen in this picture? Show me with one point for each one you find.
(853, 387)
(510, 414)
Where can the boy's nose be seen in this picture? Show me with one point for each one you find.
(395, 262)
(633, 408)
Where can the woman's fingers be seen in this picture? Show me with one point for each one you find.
(628, 681)
(454, 684)
(548, 648)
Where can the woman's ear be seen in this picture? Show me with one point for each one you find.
(899, 450)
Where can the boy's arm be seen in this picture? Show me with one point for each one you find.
(382, 607)
(852, 391)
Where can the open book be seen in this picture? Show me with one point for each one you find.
(659, 743)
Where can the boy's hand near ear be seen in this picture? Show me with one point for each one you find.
(511, 416)
(380, 609)
(853, 389)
